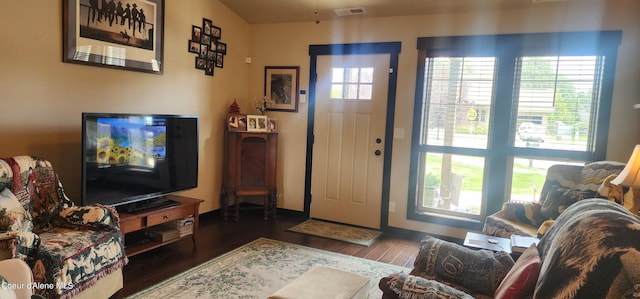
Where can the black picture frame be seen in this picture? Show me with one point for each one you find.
(201, 63)
(209, 68)
(196, 33)
(205, 39)
(216, 32)
(204, 49)
(194, 47)
(281, 86)
(221, 48)
(85, 37)
(206, 26)
(211, 55)
(219, 60)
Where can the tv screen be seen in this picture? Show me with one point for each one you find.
(128, 158)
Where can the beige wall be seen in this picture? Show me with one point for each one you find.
(287, 44)
(41, 97)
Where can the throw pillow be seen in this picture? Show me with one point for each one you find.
(593, 174)
(522, 278)
(560, 198)
(524, 212)
(479, 271)
(13, 217)
(6, 292)
(401, 285)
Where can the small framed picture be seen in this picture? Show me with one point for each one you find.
(233, 122)
(206, 39)
(272, 125)
(204, 49)
(209, 68)
(201, 63)
(216, 32)
(242, 122)
(196, 33)
(211, 55)
(206, 26)
(257, 123)
(194, 47)
(219, 60)
(221, 48)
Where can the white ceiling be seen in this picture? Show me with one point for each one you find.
(279, 11)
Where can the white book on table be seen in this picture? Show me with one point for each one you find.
(520, 243)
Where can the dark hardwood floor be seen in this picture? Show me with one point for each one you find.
(218, 237)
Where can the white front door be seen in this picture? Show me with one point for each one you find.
(349, 129)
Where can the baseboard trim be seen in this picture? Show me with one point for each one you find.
(244, 206)
(412, 233)
(217, 214)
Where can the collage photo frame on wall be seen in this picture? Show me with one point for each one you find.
(206, 43)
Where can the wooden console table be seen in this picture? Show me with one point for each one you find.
(138, 221)
(250, 160)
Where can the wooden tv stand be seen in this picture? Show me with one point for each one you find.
(133, 222)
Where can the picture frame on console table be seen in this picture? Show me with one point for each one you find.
(272, 125)
(256, 123)
(114, 41)
(236, 122)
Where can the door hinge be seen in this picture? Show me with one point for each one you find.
(390, 70)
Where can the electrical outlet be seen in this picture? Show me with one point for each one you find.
(392, 207)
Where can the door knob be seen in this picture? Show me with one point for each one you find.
(377, 152)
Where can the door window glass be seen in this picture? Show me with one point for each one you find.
(352, 83)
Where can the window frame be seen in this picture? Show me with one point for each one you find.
(507, 48)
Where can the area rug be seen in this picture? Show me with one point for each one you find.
(335, 231)
(259, 268)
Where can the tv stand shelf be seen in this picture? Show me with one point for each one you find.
(135, 222)
(156, 203)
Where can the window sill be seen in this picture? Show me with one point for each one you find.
(447, 220)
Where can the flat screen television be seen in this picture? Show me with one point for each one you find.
(132, 161)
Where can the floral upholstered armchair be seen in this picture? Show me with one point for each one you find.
(71, 250)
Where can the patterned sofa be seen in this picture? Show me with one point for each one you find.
(72, 251)
(564, 185)
(591, 251)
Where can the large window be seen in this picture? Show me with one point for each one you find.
(492, 113)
